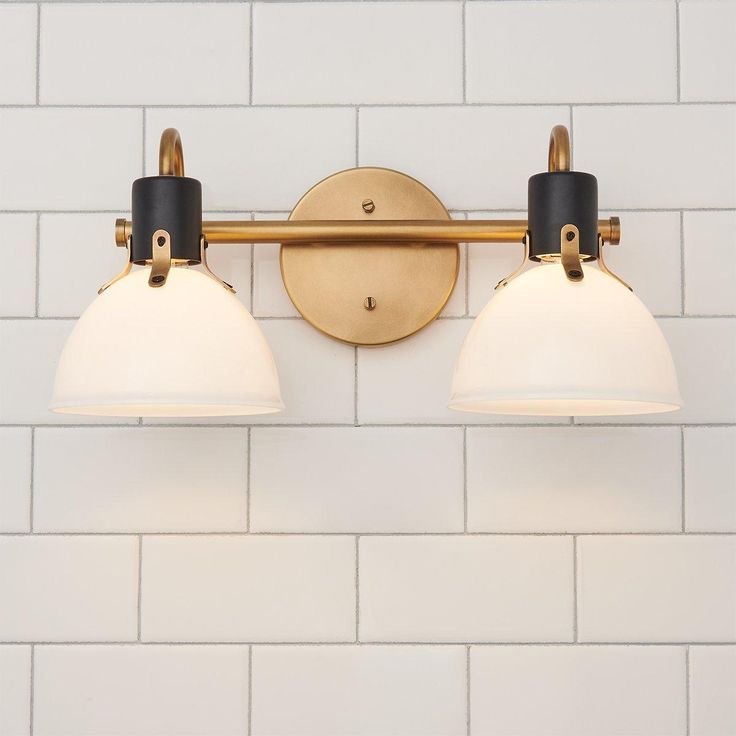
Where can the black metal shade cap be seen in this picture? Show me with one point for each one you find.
(560, 198)
(171, 203)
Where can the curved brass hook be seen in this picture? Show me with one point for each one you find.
(170, 154)
(559, 149)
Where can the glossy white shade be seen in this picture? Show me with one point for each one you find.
(548, 346)
(186, 349)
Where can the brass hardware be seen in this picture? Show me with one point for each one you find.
(369, 303)
(398, 232)
(161, 262)
(603, 267)
(123, 273)
(559, 149)
(570, 249)
(203, 250)
(505, 281)
(613, 236)
(368, 206)
(170, 154)
(328, 283)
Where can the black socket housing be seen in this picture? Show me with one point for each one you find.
(559, 198)
(171, 203)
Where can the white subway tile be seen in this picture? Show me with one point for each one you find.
(577, 691)
(15, 479)
(656, 588)
(710, 479)
(270, 298)
(355, 52)
(232, 264)
(630, 150)
(15, 686)
(77, 255)
(317, 374)
(648, 258)
(68, 588)
(329, 480)
(410, 381)
(574, 479)
(256, 158)
(524, 52)
(710, 269)
(707, 52)
(177, 53)
(31, 350)
(248, 589)
(140, 691)
(82, 159)
(466, 588)
(18, 54)
(707, 386)
(471, 157)
(712, 688)
(359, 691)
(201, 486)
(18, 274)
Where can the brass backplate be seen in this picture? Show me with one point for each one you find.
(363, 293)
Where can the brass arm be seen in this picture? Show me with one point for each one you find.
(559, 149)
(376, 231)
(170, 154)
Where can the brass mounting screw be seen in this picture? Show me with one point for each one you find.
(369, 303)
(368, 206)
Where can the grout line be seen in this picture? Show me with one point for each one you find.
(356, 423)
(575, 588)
(252, 269)
(250, 689)
(38, 53)
(682, 263)
(465, 480)
(250, 54)
(364, 643)
(357, 589)
(682, 477)
(571, 118)
(140, 583)
(677, 48)
(33, 688)
(463, 26)
(357, 136)
(143, 142)
(30, 490)
(38, 267)
(490, 534)
(687, 690)
(467, 690)
(247, 480)
(347, 105)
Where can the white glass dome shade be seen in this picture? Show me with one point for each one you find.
(186, 349)
(548, 346)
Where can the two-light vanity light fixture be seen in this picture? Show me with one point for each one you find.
(369, 256)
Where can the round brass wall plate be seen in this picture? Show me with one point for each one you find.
(364, 293)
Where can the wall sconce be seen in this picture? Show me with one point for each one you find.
(368, 256)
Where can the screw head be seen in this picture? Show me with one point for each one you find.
(571, 235)
(161, 240)
(369, 303)
(575, 273)
(158, 279)
(368, 206)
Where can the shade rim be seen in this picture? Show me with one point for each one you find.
(137, 407)
(560, 405)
